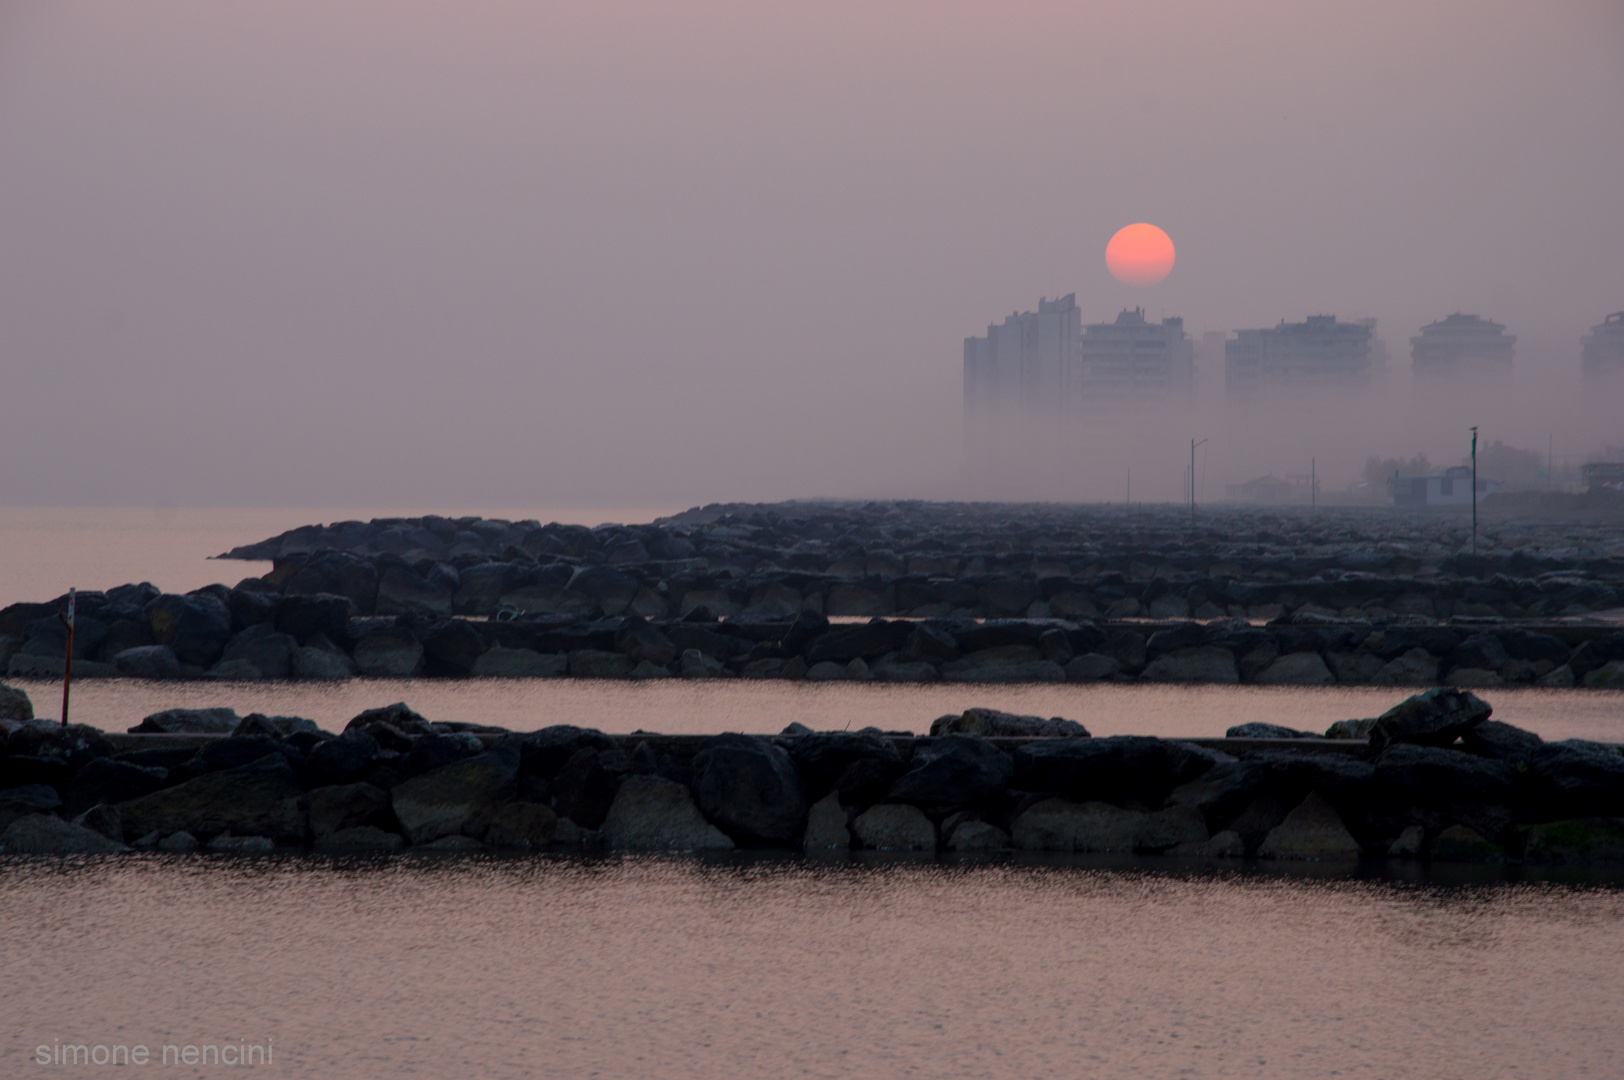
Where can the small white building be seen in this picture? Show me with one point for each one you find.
(1453, 488)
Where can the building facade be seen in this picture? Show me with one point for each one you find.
(1459, 345)
(1131, 359)
(1023, 362)
(1452, 488)
(1319, 353)
(1602, 353)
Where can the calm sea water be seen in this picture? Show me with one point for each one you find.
(680, 967)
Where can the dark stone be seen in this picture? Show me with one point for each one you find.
(1221, 792)
(824, 757)
(611, 589)
(543, 753)
(1528, 645)
(148, 662)
(953, 770)
(930, 643)
(1257, 730)
(75, 744)
(250, 607)
(1482, 651)
(14, 704)
(1492, 739)
(1114, 769)
(1437, 787)
(996, 633)
(1055, 645)
(340, 761)
(456, 799)
(749, 788)
(584, 789)
(1183, 636)
(49, 637)
(397, 716)
(24, 799)
(266, 648)
(322, 613)
(107, 780)
(641, 641)
(1576, 778)
(1595, 653)
(437, 751)
(687, 635)
(347, 806)
(802, 629)
(450, 647)
(867, 780)
(261, 798)
(870, 640)
(195, 627)
(237, 751)
(1434, 717)
(1128, 647)
(27, 770)
(219, 721)
(125, 634)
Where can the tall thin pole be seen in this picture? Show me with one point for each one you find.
(1550, 460)
(1192, 482)
(1474, 489)
(1313, 486)
(67, 664)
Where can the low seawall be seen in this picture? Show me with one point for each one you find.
(1436, 778)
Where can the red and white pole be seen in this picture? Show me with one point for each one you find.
(67, 664)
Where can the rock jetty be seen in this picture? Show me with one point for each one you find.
(1435, 778)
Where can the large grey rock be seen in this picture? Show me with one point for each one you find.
(1257, 730)
(642, 641)
(824, 756)
(218, 721)
(260, 799)
(585, 787)
(42, 834)
(1576, 778)
(651, 813)
(1092, 667)
(341, 760)
(1062, 825)
(262, 646)
(1004, 663)
(1112, 769)
(14, 704)
(360, 838)
(953, 770)
(1199, 664)
(1503, 742)
(1297, 669)
(749, 787)
(148, 662)
(978, 836)
(316, 664)
(1417, 667)
(1352, 667)
(1433, 718)
(106, 780)
(502, 662)
(460, 798)
(1313, 830)
(523, 825)
(600, 664)
(1222, 792)
(196, 627)
(403, 592)
(1581, 841)
(25, 799)
(344, 806)
(895, 827)
(826, 828)
(388, 652)
(1436, 786)
(995, 722)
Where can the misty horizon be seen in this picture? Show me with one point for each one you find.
(628, 254)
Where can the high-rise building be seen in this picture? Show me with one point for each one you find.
(1319, 353)
(1603, 349)
(1023, 362)
(1461, 345)
(1131, 359)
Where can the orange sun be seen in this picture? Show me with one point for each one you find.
(1139, 254)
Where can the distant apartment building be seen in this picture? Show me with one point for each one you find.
(1461, 345)
(1131, 359)
(1317, 354)
(1603, 350)
(1023, 362)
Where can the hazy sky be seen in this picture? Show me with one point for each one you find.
(528, 253)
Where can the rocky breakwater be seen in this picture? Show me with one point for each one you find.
(1436, 779)
(960, 560)
(248, 633)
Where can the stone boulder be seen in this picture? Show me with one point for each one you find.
(1004, 663)
(1062, 825)
(360, 838)
(826, 826)
(148, 662)
(1113, 769)
(1460, 843)
(1434, 718)
(1092, 667)
(523, 825)
(1313, 830)
(263, 647)
(953, 770)
(25, 799)
(106, 780)
(218, 721)
(450, 647)
(262, 798)
(460, 798)
(317, 664)
(1201, 664)
(401, 592)
(640, 640)
(343, 806)
(1580, 841)
(823, 757)
(340, 761)
(1222, 792)
(994, 722)
(195, 627)
(1436, 787)
(1258, 730)
(749, 787)
(971, 836)
(14, 704)
(1416, 667)
(1576, 778)
(1503, 742)
(1297, 669)
(895, 827)
(388, 652)
(600, 664)
(42, 834)
(651, 813)
(544, 753)
(585, 787)
(502, 662)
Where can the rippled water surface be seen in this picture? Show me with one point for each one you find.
(677, 706)
(676, 967)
